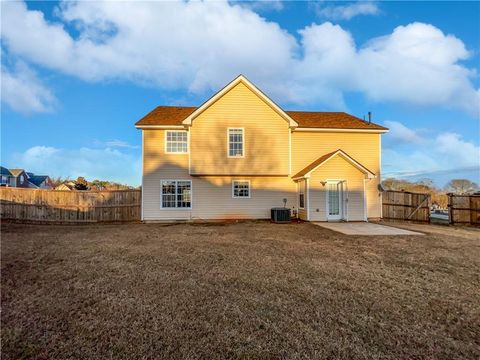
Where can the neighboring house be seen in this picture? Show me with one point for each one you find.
(19, 178)
(66, 186)
(40, 181)
(6, 177)
(239, 154)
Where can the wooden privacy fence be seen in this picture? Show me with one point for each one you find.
(464, 209)
(32, 205)
(404, 205)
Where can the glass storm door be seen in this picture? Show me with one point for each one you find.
(334, 200)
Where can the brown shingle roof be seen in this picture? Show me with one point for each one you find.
(174, 115)
(324, 158)
(332, 120)
(166, 115)
(313, 165)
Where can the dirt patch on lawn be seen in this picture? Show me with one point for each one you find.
(246, 290)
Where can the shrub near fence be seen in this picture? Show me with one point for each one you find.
(405, 205)
(32, 205)
(464, 209)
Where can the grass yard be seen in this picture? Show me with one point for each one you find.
(241, 290)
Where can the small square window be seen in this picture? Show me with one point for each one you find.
(241, 189)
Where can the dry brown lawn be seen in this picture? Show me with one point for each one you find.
(242, 290)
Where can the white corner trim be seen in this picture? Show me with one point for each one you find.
(189, 153)
(289, 152)
(365, 217)
(143, 175)
(307, 191)
(380, 173)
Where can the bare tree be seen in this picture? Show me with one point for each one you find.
(462, 186)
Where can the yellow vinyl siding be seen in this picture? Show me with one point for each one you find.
(212, 197)
(272, 153)
(157, 166)
(266, 150)
(337, 168)
(363, 147)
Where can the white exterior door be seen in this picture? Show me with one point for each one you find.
(334, 200)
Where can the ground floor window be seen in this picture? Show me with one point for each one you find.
(176, 194)
(301, 195)
(241, 188)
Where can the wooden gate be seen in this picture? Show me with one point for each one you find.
(406, 206)
(60, 206)
(464, 209)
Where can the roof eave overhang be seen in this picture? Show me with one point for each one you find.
(302, 177)
(374, 131)
(160, 126)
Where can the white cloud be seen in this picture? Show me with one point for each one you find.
(261, 5)
(347, 12)
(199, 46)
(400, 133)
(23, 91)
(105, 164)
(416, 64)
(445, 153)
(116, 144)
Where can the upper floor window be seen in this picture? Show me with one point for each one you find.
(236, 140)
(176, 142)
(22, 179)
(4, 179)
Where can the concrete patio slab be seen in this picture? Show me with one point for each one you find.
(364, 228)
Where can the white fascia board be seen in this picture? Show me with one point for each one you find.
(341, 130)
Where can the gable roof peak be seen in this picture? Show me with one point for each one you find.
(305, 172)
(240, 78)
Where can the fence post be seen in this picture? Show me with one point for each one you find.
(472, 212)
(450, 208)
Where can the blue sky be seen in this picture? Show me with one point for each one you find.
(76, 76)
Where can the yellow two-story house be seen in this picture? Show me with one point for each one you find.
(239, 154)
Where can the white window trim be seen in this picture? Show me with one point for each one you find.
(301, 185)
(243, 142)
(174, 152)
(249, 189)
(176, 208)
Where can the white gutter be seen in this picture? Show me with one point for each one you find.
(160, 126)
(341, 130)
